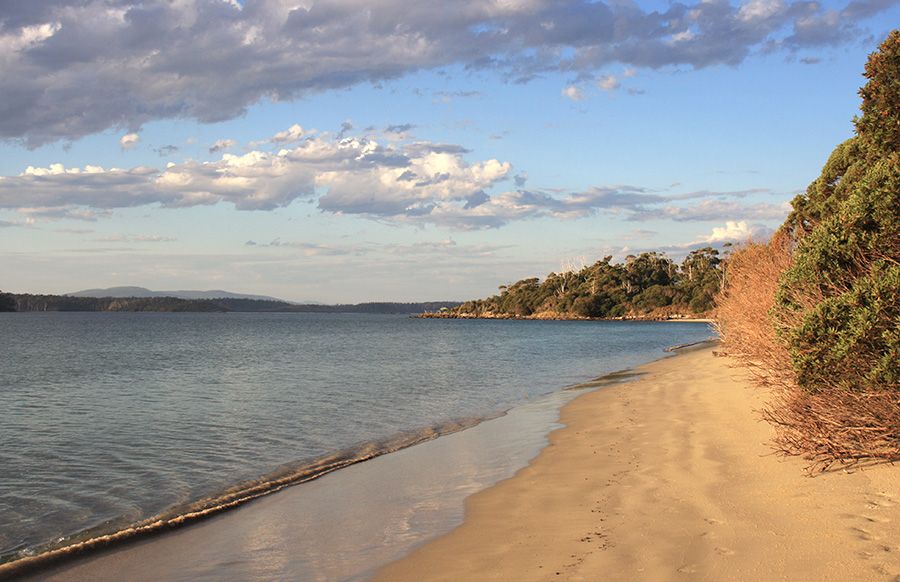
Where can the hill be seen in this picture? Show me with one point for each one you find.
(128, 291)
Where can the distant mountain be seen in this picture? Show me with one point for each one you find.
(123, 292)
(167, 301)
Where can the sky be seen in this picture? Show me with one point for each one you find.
(350, 150)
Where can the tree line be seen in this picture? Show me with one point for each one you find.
(641, 285)
(32, 302)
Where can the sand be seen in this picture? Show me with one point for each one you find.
(669, 478)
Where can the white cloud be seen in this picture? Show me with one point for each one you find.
(760, 9)
(292, 134)
(396, 180)
(608, 83)
(683, 36)
(129, 141)
(72, 69)
(736, 231)
(572, 92)
(222, 145)
(351, 175)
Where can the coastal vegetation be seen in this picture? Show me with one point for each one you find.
(7, 302)
(815, 312)
(648, 285)
(30, 302)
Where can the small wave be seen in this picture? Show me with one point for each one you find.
(34, 558)
(693, 345)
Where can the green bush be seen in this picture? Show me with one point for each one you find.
(837, 307)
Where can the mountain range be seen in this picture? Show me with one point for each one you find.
(121, 292)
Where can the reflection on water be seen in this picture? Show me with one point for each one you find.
(343, 526)
(109, 418)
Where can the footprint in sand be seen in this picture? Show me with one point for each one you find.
(863, 534)
(688, 569)
(875, 519)
(725, 551)
(712, 521)
(881, 501)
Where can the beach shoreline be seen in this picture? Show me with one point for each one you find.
(552, 316)
(303, 408)
(669, 477)
(420, 492)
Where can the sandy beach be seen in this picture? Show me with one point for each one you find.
(669, 478)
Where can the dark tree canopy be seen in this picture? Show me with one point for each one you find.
(7, 302)
(643, 284)
(838, 305)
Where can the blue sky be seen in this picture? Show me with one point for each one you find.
(341, 152)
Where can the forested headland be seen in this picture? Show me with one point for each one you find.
(645, 286)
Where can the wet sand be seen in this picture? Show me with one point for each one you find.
(669, 478)
(342, 526)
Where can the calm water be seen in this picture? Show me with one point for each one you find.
(110, 418)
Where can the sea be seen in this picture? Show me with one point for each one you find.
(111, 420)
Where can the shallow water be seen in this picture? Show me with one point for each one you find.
(110, 418)
(343, 526)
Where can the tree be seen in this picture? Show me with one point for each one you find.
(838, 305)
(7, 302)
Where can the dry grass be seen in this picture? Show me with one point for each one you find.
(743, 306)
(828, 426)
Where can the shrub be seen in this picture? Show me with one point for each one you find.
(837, 307)
(816, 312)
(752, 274)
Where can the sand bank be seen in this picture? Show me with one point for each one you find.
(669, 478)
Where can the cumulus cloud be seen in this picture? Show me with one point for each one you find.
(608, 83)
(71, 69)
(397, 180)
(572, 92)
(737, 231)
(292, 134)
(129, 141)
(733, 232)
(221, 145)
(355, 175)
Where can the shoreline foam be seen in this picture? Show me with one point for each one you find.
(669, 478)
(89, 543)
(92, 540)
